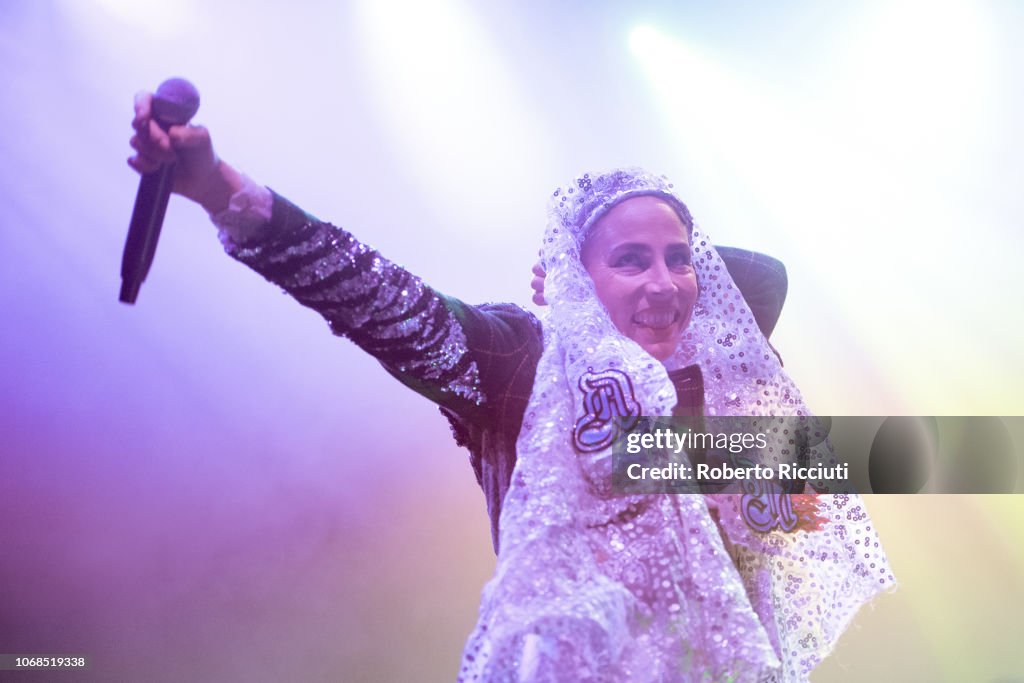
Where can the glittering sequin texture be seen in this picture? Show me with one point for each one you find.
(590, 586)
(387, 311)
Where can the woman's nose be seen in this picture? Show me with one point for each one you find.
(660, 283)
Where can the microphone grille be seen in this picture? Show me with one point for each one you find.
(176, 101)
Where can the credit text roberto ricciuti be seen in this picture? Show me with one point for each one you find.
(719, 473)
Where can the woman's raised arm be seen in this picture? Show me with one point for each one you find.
(454, 354)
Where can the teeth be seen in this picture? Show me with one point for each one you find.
(655, 318)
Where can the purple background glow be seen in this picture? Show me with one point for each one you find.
(209, 486)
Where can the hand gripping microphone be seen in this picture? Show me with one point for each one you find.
(175, 103)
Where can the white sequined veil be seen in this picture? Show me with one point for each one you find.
(591, 586)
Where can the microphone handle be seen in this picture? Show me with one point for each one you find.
(144, 230)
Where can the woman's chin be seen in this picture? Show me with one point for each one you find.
(659, 342)
(661, 350)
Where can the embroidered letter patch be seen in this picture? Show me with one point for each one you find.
(607, 396)
(764, 508)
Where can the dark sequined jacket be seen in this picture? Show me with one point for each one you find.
(476, 362)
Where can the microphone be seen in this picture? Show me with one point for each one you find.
(174, 103)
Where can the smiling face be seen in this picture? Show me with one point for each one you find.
(638, 255)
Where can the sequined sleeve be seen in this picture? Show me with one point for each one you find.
(380, 306)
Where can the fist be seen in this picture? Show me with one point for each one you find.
(199, 174)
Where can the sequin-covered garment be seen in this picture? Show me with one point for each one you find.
(476, 362)
(390, 313)
(592, 587)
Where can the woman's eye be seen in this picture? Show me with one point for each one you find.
(678, 259)
(630, 260)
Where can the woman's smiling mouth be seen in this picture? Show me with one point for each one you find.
(656, 319)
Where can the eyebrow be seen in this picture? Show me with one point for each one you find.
(646, 247)
(631, 245)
